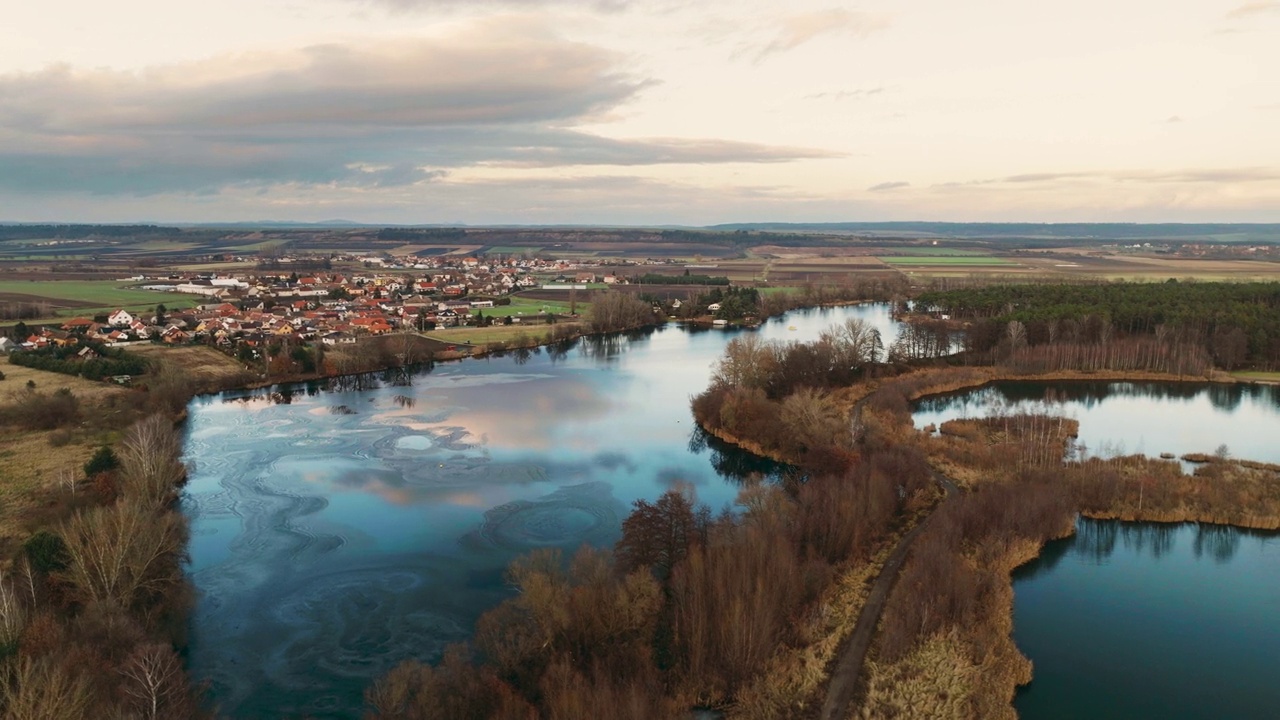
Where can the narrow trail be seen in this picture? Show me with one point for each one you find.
(843, 686)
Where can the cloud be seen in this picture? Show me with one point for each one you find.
(1155, 177)
(889, 186)
(416, 5)
(1253, 9)
(1173, 120)
(363, 115)
(846, 94)
(796, 30)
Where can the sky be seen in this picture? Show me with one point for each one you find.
(639, 113)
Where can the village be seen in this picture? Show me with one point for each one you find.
(247, 311)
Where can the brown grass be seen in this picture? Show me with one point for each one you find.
(30, 464)
(204, 366)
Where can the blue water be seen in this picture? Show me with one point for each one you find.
(1139, 620)
(1135, 417)
(337, 533)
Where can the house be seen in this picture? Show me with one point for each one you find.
(78, 325)
(338, 338)
(7, 345)
(713, 307)
(120, 318)
(175, 334)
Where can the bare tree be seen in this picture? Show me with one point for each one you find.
(43, 690)
(154, 681)
(13, 616)
(118, 552)
(150, 468)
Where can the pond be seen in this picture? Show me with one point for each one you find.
(336, 533)
(1140, 620)
(1147, 418)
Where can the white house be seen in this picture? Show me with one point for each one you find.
(120, 318)
(7, 345)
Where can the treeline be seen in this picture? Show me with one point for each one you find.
(1235, 323)
(686, 279)
(108, 363)
(687, 611)
(76, 232)
(93, 607)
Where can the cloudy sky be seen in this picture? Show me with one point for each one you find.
(630, 112)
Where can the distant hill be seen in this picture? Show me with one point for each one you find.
(1186, 232)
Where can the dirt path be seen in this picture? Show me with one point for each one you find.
(843, 685)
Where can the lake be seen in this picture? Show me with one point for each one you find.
(1135, 417)
(1141, 620)
(338, 532)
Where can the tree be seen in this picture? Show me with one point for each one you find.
(657, 535)
(116, 554)
(150, 461)
(160, 311)
(104, 460)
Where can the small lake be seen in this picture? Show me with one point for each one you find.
(1119, 418)
(336, 533)
(1141, 620)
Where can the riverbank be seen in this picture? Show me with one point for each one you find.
(950, 664)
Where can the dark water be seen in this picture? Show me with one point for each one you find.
(1143, 418)
(335, 534)
(1138, 620)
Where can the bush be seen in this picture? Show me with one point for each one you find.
(104, 460)
(46, 552)
(37, 411)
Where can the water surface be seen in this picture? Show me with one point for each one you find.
(1140, 620)
(1148, 418)
(337, 533)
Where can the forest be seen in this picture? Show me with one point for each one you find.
(1238, 324)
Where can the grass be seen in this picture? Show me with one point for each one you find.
(30, 462)
(935, 251)
(205, 366)
(529, 306)
(946, 260)
(102, 295)
(512, 250)
(484, 336)
(1257, 376)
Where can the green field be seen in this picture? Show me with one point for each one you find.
(938, 251)
(525, 306)
(949, 260)
(100, 296)
(512, 250)
(1257, 376)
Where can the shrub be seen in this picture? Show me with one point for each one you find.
(104, 460)
(46, 552)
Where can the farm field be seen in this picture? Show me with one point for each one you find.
(532, 306)
(86, 297)
(1072, 261)
(948, 260)
(934, 251)
(513, 250)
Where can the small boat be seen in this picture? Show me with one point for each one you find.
(792, 328)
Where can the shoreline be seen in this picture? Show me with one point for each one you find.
(1012, 669)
